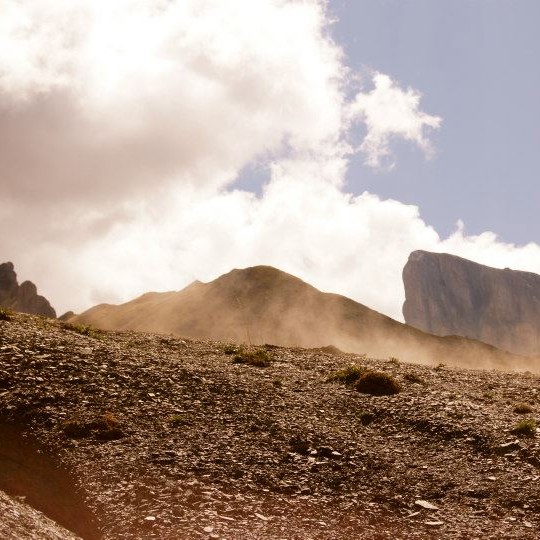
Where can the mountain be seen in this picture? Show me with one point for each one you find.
(265, 305)
(124, 436)
(448, 295)
(23, 297)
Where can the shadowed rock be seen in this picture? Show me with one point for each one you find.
(23, 297)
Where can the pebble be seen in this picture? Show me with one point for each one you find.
(425, 504)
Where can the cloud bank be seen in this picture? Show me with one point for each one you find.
(124, 125)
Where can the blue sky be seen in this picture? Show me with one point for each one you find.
(477, 63)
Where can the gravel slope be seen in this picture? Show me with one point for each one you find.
(163, 437)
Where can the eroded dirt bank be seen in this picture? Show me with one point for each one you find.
(168, 438)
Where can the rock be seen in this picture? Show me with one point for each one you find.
(447, 295)
(325, 451)
(425, 504)
(24, 297)
(508, 447)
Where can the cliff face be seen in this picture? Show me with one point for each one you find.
(23, 297)
(448, 295)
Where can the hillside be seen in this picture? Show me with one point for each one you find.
(127, 435)
(265, 305)
(449, 295)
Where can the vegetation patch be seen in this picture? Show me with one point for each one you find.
(253, 357)
(331, 349)
(178, 420)
(85, 330)
(347, 375)
(231, 349)
(526, 428)
(105, 428)
(522, 408)
(377, 383)
(6, 314)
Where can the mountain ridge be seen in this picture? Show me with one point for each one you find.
(262, 304)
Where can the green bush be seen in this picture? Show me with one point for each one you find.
(526, 428)
(377, 383)
(85, 330)
(253, 357)
(347, 375)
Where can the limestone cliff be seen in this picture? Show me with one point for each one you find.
(448, 295)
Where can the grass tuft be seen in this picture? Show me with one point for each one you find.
(6, 314)
(526, 428)
(84, 330)
(347, 375)
(253, 357)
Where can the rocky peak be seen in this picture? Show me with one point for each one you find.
(23, 297)
(449, 295)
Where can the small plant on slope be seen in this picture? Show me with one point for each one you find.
(347, 375)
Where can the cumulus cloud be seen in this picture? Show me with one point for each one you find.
(99, 99)
(124, 124)
(391, 112)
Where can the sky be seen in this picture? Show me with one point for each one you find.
(148, 143)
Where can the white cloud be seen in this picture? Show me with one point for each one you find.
(390, 112)
(122, 124)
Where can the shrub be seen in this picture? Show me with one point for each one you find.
(106, 428)
(347, 375)
(177, 420)
(331, 349)
(376, 383)
(257, 358)
(6, 314)
(85, 330)
(230, 349)
(526, 427)
(522, 408)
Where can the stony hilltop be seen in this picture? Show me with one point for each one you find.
(265, 305)
(23, 297)
(448, 295)
(124, 435)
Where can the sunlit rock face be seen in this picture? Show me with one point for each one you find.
(23, 297)
(448, 295)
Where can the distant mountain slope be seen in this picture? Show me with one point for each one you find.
(265, 305)
(23, 297)
(448, 295)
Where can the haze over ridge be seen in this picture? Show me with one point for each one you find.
(126, 151)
